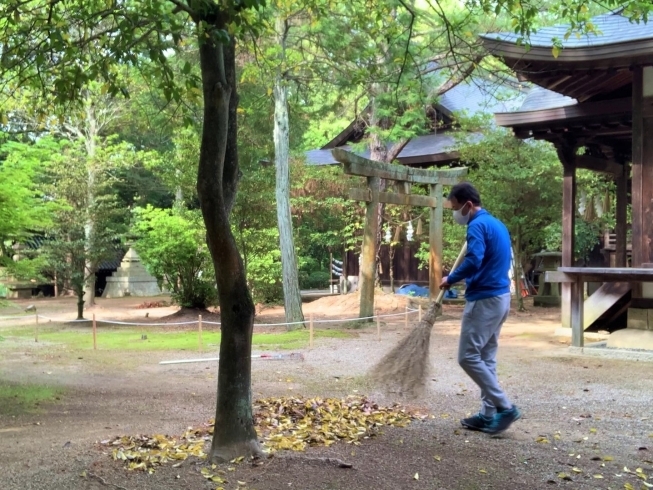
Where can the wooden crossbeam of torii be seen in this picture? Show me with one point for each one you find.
(404, 177)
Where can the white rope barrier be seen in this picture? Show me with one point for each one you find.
(195, 322)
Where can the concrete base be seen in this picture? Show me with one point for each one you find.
(546, 301)
(631, 338)
(596, 336)
(602, 351)
(117, 287)
(18, 290)
(640, 318)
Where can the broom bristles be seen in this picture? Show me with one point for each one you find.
(406, 367)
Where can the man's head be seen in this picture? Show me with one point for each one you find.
(465, 201)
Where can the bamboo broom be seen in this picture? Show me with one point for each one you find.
(405, 368)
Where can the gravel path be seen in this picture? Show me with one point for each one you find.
(582, 416)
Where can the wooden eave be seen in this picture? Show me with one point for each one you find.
(584, 73)
(613, 109)
(614, 55)
(605, 124)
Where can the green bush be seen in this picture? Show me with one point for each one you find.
(172, 246)
(315, 280)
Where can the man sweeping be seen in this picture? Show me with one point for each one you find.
(485, 269)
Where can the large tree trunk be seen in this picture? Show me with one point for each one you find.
(292, 298)
(89, 229)
(234, 433)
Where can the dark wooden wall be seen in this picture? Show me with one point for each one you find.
(405, 265)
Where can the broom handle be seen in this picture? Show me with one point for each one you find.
(461, 257)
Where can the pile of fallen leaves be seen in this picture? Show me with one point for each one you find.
(294, 423)
(146, 452)
(283, 424)
(152, 304)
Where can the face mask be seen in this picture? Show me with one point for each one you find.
(460, 218)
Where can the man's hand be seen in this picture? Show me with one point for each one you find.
(444, 284)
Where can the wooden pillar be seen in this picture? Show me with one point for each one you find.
(435, 242)
(368, 253)
(577, 307)
(567, 156)
(642, 192)
(621, 211)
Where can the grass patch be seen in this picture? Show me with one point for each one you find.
(161, 340)
(15, 399)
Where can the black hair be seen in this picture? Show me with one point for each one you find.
(464, 192)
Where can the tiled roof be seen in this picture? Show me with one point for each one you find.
(478, 95)
(540, 98)
(612, 28)
(473, 97)
(419, 146)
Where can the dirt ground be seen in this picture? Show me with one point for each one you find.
(588, 418)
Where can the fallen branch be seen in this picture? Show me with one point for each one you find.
(104, 482)
(328, 461)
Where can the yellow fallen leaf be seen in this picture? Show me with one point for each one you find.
(608, 458)
(241, 482)
(564, 476)
(542, 440)
(482, 471)
(628, 486)
(593, 430)
(416, 477)
(598, 477)
(437, 458)
(576, 470)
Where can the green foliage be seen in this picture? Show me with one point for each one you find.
(79, 187)
(586, 236)
(23, 209)
(172, 246)
(315, 280)
(262, 257)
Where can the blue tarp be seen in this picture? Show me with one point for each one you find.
(413, 290)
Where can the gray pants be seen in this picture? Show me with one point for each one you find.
(477, 353)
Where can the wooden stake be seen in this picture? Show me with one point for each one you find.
(378, 326)
(199, 332)
(94, 333)
(419, 315)
(310, 332)
(36, 328)
(406, 318)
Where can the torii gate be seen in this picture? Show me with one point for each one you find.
(404, 177)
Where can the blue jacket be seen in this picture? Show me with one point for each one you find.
(488, 259)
